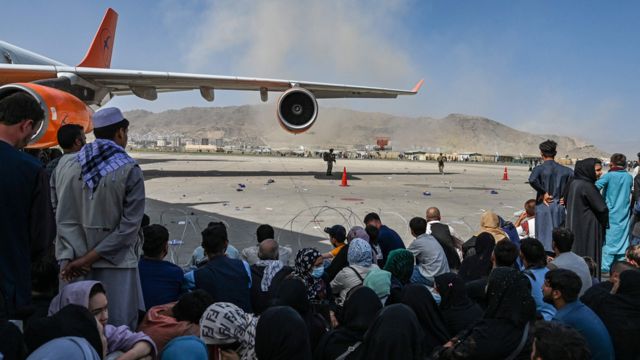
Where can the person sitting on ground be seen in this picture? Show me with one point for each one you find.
(458, 311)
(379, 281)
(561, 288)
(490, 222)
(360, 257)
(431, 259)
(264, 272)
(230, 329)
(552, 340)
(162, 323)
(420, 300)
(500, 333)
(71, 139)
(293, 293)
(264, 232)
(337, 238)
(394, 334)
(605, 287)
(535, 262)
(71, 321)
(505, 254)
(445, 235)
(479, 264)
(44, 286)
(161, 280)
(68, 347)
(309, 269)
(185, 347)
(562, 241)
(400, 264)
(372, 232)
(591, 264)
(357, 314)
(388, 239)
(225, 279)
(340, 261)
(526, 222)
(92, 295)
(282, 334)
(620, 313)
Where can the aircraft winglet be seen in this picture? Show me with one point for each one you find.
(99, 53)
(417, 87)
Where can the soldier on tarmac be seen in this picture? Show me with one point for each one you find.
(330, 158)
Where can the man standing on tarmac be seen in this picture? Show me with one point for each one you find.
(441, 160)
(330, 158)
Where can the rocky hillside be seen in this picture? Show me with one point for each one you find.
(344, 128)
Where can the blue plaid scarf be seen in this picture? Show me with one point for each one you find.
(100, 158)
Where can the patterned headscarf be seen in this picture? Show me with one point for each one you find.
(400, 264)
(100, 158)
(225, 323)
(305, 259)
(271, 268)
(360, 253)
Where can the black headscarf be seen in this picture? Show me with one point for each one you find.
(509, 296)
(457, 309)
(281, 334)
(71, 320)
(419, 299)
(478, 265)
(359, 311)
(395, 334)
(585, 170)
(293, 293)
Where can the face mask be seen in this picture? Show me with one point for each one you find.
(317, 272)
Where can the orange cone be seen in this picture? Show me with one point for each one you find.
(344, 177)
(505, 176)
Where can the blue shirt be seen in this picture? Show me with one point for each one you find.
(161, 282)
(546, 310)
(388, 240)
(583, 319)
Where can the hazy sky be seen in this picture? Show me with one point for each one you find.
(564, 67)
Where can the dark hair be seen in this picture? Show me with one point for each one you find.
(18, 107)
(548, 148)
(633, 253)
(620, 266)
(418, 225)
(505, 253)
(371, 217)
(214, 238)
(591, 264)
(109, 132)
(372, 231)
(530, 207)
(155, 238)
(192, 305)
(563, 238)
(44, 275)
(565, 281)
(97, 289)
(145, 220)
(619, 159)
(554, 340)
(533, 251)
(68, 134)
(264, 231)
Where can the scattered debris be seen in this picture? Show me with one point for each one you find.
(270, 181)
(268, 209)
(493, 192)
(175, 242)
(239, 189)
(426, 193)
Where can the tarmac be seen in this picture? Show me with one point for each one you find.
(187, 191)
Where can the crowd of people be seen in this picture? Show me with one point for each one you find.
(83, 274)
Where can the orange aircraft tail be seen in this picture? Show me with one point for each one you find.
(99, 53)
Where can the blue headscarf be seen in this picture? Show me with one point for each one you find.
(185, 347)
(360, 253)
(70, 347)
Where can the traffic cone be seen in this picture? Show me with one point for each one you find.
(505, 176)
(344, 177)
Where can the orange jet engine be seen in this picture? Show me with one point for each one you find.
(60, 108)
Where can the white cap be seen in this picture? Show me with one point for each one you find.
(107, 116)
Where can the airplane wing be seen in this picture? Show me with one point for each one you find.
(147, 84)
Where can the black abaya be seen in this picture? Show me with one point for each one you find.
(419, 299)
(281, 334)
(587, 212)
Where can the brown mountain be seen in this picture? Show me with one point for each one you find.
(342, 128)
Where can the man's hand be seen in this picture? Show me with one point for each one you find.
(547, 199)
(80, 266)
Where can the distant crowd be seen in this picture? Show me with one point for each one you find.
(83, 275)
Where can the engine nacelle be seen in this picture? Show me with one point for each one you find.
(60, 108)
(297, 110)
